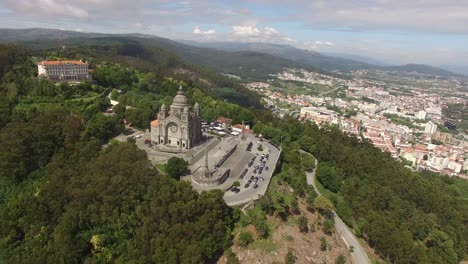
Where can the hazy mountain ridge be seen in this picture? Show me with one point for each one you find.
(358, 58)
(249, 60)
(345, 63)
(31, 34)
(306, 57)
(247, 64)
(421, 69)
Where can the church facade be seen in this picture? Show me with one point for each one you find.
(180, 127)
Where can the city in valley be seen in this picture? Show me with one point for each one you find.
(419, 120)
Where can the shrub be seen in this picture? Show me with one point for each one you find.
(245, 238)
(341, 260)
(290, 258)
(323, 244)
(294, 206)
(328, 227)
(303, 224)
(262, 229)
(231, 257)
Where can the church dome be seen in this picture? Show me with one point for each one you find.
(180, 98)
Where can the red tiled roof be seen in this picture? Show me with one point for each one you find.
(224, 120)
(239, 126)
(155, 123)
(76, 62)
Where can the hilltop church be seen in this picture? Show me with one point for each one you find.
(178, 129)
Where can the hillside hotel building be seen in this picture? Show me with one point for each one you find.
(66, 71)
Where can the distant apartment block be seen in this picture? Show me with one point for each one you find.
(430, 128)
(64, 71)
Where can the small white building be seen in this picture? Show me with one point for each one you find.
(455, 166)
(421, 114)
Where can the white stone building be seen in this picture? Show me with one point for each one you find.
(74, 71)
(180, 128)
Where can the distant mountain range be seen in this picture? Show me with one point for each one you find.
(328, 62)
(247, 64)
(248, 60)
(359, 58)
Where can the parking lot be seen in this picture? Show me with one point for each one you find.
(253, 169)
(255, 177)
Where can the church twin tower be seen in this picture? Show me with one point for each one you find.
(180, 128)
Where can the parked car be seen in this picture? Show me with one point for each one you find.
(255, 186)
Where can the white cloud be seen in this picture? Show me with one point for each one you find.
(271, 31)
(198, 31)
(421, 15)
(318, 44)
(48, 8)
(246, 31)
(288, 39)
(254, 33)
(138, 25)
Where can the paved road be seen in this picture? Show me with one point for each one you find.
(359, 255)
(327, 92)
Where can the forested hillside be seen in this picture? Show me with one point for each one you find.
(65, 198)
(406, 217)
(148, 55)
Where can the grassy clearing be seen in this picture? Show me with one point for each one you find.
(266, 245)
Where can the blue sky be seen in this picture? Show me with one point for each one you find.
(396, 31)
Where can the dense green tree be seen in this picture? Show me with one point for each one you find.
(327, 176)
(307, 161)
(102, 127)
(176, 167)
(112, 207)
(323, 205)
